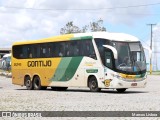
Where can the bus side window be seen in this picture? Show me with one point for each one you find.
(61, 53)
(67, 49)
(89, 49)
(21, 55)
(55, 49)
(35, 50)
(24, 51)
(17, 52)
(49, 50)
(43, 50)
(75, 48)
(29, 53)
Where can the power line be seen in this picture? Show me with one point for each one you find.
(143, 38)
(85, 9)
(144, 42)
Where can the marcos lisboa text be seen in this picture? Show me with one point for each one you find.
(144, 114)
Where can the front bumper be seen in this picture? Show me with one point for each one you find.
(117, 83)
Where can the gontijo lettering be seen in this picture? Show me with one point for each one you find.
(47, 63)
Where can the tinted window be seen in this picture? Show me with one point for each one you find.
(57, 49)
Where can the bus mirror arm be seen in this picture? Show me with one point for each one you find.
(113, 50)
(149, 50)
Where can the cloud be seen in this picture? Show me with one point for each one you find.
(26, 24)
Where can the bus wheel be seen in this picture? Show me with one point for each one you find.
(37, 83)
(93, 85)
(28, 83)
(121, 90)
(59, 88)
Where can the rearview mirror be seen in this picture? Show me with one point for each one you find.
(113, 50)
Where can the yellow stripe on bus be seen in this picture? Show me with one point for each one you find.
(127, 76)
(51, 39)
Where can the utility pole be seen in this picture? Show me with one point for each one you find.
(151, 47)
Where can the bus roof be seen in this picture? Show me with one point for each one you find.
(110, 36)
(67, 37)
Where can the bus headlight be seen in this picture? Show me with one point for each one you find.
(118, 76)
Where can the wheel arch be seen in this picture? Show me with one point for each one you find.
(89, 77)
(30, 77)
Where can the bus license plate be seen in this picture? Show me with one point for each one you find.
(134, 84)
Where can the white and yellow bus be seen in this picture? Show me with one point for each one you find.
(99, 60)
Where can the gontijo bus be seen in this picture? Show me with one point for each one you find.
(100, 60)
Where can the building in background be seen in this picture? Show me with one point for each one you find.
(4, 51)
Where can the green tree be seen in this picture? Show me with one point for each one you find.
(93, 27)
(70, 28)
(97, 26)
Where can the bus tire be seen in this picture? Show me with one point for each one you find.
(37, 84)
(59, 88)
(28, 83)
(121, 90)
(93, 85)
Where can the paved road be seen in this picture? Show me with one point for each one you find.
(17, 98)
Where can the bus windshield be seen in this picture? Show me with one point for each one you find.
(131, 57)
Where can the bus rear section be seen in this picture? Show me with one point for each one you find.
(58, 63)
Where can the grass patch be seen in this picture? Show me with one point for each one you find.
(154, 73)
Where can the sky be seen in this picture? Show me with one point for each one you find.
(36, 19)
